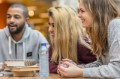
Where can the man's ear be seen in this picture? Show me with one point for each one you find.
(27, 19)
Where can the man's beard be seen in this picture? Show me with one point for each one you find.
(17, 30)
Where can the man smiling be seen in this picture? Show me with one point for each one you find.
(17, 39)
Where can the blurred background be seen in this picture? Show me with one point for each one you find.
(37, 11)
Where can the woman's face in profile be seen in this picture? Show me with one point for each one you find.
(51, 27)
(85, 15)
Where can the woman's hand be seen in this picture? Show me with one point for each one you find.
(70, 71)
(64, 60)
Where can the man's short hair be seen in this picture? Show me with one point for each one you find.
(21, 6)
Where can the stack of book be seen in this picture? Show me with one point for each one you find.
(22, 67)
(20, 63)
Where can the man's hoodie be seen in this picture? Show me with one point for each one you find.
(27, 48)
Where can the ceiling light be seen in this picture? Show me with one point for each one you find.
(31, 13)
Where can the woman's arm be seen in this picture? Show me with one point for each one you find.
(112, 68)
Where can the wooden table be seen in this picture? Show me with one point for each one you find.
(52, 76)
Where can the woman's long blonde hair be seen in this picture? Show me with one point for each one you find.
(103, 11)
(68, 32)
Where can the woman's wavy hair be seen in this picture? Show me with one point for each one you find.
(68, 33)
(103, 11)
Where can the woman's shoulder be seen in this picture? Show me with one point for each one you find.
(115, 22)
(116, 19)
(114, 30)
(81, 47)
(114, 25)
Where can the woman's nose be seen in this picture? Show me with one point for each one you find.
(50, 29)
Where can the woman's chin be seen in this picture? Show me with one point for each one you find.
(52, 36)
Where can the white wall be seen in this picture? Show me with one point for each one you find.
(71, 3)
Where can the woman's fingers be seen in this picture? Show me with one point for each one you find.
(62, 71)
(68, 60)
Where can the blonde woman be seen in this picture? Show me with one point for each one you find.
(68, 39)
(102, 21)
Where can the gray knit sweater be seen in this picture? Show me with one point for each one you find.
(108, 66)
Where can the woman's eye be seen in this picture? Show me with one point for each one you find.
(51, 24)
(80, 10)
